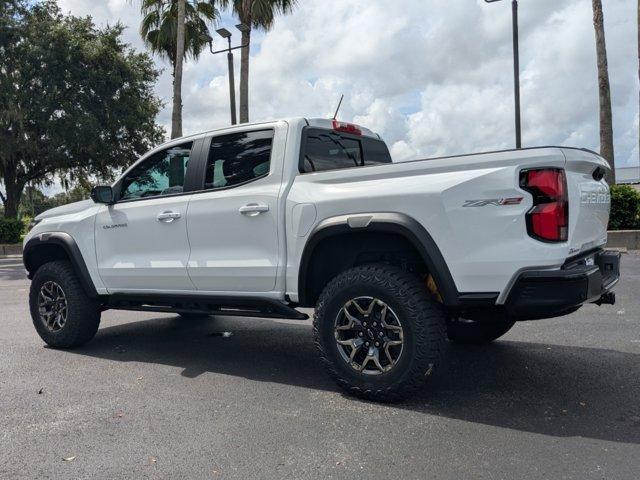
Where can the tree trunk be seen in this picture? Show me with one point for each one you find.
(606, 117)
(176, 115)
(244, 77)
(14, 193)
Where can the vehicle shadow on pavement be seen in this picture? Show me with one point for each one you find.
(561, 391)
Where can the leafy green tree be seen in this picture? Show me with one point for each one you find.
(75, 101)
(159, 30)
(34, 201)
(259, 14)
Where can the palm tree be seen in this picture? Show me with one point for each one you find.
(176, 111)
(606, 117)
(175, 30)
(259, 14)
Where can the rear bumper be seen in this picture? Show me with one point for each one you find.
(547, 294)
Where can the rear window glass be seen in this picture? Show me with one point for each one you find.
(375, 152)
(328, 150)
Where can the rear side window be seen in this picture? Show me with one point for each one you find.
(238, 158)
(328, 150)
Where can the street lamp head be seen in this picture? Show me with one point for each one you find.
(242, 27)
(223, 32)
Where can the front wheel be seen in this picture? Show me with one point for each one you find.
(471, 332)
(62, 313)
(378, 332)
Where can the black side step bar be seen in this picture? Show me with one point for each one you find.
(231, 306)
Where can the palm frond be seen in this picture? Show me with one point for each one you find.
(261, 13)
(149, 22)
(207, 10)
(158, 28)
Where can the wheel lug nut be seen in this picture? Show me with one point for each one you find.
(367, 344)
(377, 344)
(364, 323)
(380, 334)
(375, 324)
(361, 334)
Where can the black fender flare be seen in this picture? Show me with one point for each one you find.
(398, 223)
(69, 245)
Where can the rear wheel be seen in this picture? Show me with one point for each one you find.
(470, 332)
(62, 313)
(378, 332)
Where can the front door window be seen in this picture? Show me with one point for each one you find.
(161, 174)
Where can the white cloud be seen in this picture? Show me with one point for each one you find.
(433, 77)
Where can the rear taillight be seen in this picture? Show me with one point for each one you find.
(548, 220)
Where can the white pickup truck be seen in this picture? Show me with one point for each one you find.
(258, 220)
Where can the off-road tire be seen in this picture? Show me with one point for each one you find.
(83, 313)
(477, 333)
(423, 320)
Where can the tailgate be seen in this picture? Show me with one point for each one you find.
(589, 201)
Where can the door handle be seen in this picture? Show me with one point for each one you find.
(254, 209)
(168, 216)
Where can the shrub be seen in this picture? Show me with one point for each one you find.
(625, 208)
(10, 230)
(26, 223)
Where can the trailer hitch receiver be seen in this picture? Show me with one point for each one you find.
(608, 298)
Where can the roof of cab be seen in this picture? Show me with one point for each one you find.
(312, 122)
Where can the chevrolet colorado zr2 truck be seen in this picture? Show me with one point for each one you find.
(259, 220)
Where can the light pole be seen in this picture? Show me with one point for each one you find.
(226, 34)
(516, 69)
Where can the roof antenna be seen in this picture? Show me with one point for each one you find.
(339, 105)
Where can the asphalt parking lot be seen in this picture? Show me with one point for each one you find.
(154, 396)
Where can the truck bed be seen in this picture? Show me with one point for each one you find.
(457, 200)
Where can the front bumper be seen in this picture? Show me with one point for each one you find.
(551, 293)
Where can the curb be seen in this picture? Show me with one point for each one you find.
(629, 239)
(13, 249)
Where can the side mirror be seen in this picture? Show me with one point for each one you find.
(102, 194)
